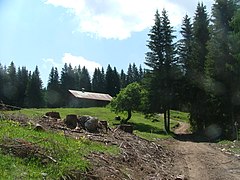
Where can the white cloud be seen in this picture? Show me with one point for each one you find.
(79, 60)
(52, 62)
(74, 61)
(117, 19)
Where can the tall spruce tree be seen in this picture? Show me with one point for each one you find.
(196, 73)
(141, 73)
(85, 81)
(53, 89)
(67, 81)
(22, 82)
(3, 75)
(109, 80)
(130, 74)
(10, 87)
(161, 61)
(77, 75)
(185, 57)
(34, 95)
(112, 81)
(116, 79)
(98, 81)
(220, 65)
(136, 77)
(123, 79)
(185, 45)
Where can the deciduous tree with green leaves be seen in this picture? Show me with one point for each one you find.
(129, 99)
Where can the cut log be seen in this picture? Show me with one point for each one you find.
(52, 114)
(104, 125)
(82, 120)
(126, 127)
(38, 127)
(92, 125)
(71, 121)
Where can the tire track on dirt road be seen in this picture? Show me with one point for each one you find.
(199, 160)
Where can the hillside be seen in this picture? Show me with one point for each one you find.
(112, 155)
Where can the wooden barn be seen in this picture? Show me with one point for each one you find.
(88, 99)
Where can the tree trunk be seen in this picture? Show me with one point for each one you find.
(128, 117)
(168, 120)
(165, 120)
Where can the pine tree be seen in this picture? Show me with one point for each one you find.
(22, 82)
(185, 46)
(103, 81)
(185, 58)
(141, 73)
(112, 81)
(194, 54)
(85, 81)
(116, 79)
(221, 63)
(10, 85)
(130, 74)
(201, 36)
(161, 60)
(53, 89)
(77, 75)
(98, 81)
(67, 81)
(34, 95)
(136, 77)
(123, 79)
(3, 75)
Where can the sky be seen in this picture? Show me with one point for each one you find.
(90, 33)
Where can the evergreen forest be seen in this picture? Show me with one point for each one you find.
(198, 73)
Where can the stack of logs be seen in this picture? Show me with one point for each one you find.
(88, 123)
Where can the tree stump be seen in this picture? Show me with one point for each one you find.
(55, 115)
(82, 120)
(92, 125)
(71, 121)
(39, 127)
(104, 125)
(126, 127)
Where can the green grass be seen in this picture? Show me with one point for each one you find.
(231, 146)
(68, 152)
(143, 127)
(179, 116)
(101, 113)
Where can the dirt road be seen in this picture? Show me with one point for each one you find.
(142, 159)
(200, 160)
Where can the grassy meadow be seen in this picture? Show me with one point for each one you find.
(68, 152)
(148, 128)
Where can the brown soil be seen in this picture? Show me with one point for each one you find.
(138, 158)
(142, 159)
(201, 160)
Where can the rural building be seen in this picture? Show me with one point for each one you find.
(88, 99)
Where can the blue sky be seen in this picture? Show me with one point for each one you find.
(92, 33)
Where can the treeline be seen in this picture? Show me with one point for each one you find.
(200, 72)
(23, 88)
